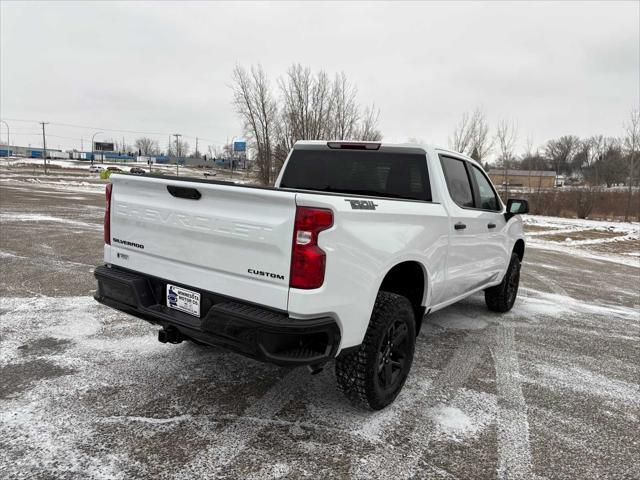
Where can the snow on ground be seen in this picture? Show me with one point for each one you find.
(597, 233)
(10, 217)
(577, 224)
(75, 177)
(61, 183)
(20, 161)
(69, 185)
(109, 401)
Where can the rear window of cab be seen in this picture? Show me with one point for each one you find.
(359, 172)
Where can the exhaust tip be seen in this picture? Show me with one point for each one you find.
(170, 335)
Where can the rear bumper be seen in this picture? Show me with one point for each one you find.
(251, 330)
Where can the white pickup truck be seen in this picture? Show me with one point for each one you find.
(341, 259)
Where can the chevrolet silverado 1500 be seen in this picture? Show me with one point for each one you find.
(341, 259)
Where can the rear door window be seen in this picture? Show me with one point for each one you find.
(457, 180)
(371, 173)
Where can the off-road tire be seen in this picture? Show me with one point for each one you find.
(362, 373)
(502, 297)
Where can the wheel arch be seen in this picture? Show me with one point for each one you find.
(518, 248)
(408, 278)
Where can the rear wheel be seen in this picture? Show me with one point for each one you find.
(502, 297)
(373, 375)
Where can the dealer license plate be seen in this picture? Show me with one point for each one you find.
(184, 300)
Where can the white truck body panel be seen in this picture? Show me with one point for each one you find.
(210, 243)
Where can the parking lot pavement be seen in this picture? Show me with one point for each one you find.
(550, 389)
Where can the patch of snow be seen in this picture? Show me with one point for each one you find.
(576, 224)
(551, 304)
(451, 419)
(4, 254)
(466, 416)
(628, 231)
(560, 231)
(574, 250)
(149, 420)
(39, 217)
(587, 382)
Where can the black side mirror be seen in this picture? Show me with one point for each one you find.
(516, 206)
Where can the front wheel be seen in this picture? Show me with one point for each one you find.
(373, 375)
(502, 297)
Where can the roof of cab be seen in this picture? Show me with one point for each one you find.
(385, 147)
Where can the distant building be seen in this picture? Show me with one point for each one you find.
(523, 178)
(29, 152)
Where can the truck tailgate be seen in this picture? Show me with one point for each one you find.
(232, 240)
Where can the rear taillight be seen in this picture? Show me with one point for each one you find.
(107, 215)
(307, 259)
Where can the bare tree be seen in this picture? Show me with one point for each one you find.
(322, 106)
(481, 141)
(296, 93)
(344, 121)
(180, 149)
(632, 147)
(255, 104)
(147, 146)
(506, 138)
(308, 100)
(312, 107)
(562, 151)
(460, 140)
(611, 166)
(368, 129)
(471, 135)
(594, 156)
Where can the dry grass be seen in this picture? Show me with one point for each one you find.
(625, 247)
(605, 204)
(528, 228)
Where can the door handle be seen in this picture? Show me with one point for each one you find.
(459, 226)
(491, 225)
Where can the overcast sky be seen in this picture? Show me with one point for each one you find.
(555, 68)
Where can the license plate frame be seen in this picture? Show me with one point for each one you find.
(183, 300)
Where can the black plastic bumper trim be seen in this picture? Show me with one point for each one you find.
(254, 331)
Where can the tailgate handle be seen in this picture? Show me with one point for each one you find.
(184, 192)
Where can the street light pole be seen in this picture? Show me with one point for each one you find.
(92, 144)
(8, 143)
(44, 147)
(177, 135)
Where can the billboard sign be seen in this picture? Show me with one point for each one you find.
(103, 146)
(239, 146)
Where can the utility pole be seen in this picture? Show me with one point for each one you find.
(177, 135)
(197, 155)
(229, 156)
(44, 147)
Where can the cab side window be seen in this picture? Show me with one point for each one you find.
(458, 182)
(488, 198)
